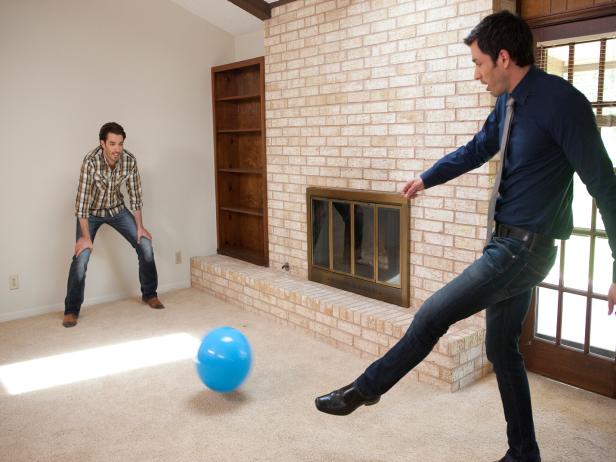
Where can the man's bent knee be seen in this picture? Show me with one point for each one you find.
(146, 249)
(81, 262)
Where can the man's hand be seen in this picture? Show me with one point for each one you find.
(611, 298)
(82, 244)
(142, 232)
(412, 187)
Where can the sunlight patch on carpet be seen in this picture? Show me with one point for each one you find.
(62, 369)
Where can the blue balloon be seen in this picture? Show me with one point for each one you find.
(224, 359)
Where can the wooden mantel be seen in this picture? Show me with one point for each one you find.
(259, 8)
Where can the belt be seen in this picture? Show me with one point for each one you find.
(531, 240)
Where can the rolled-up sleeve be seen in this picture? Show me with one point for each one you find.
(133, 186)
(84, 191)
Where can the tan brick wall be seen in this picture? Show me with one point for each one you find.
(367, 94)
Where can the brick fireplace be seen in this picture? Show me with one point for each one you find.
(366, 94)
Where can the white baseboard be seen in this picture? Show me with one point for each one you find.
(59, 306)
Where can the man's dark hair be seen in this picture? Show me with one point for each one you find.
(111, 127)
(504, 31)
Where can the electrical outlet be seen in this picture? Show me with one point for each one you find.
(13, 282)
(178, 257)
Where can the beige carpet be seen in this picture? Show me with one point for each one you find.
(164, 413)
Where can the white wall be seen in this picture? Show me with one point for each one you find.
(67, 67)
(250, 45)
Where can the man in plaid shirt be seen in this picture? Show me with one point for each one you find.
(99, 201)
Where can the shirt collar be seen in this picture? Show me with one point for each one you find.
(103, 162)
(522, 89)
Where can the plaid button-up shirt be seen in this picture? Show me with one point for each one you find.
(98, 192)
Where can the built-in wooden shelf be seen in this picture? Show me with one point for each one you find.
(238, 91)
(244, 210)
(250, 171)
(241, 130)
(240, 97)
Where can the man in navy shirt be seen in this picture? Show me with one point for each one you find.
(545, 130)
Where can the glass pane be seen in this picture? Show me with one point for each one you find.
(602, 272)
(320, 233)
(586, 68)
(547, 312)
(364, 240)
(609, 83)
(554, 274)
(602, 330)
(577, 256)
(389, 245)
(558, 61)
(582, 204)
(341, 236)
(574, 321)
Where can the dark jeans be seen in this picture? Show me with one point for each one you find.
(124, 223)
(501, 281)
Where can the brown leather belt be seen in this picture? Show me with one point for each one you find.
(531, 240)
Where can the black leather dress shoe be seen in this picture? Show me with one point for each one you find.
(344, 401)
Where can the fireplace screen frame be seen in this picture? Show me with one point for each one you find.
(389, 292)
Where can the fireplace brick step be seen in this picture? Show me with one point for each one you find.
(351, 322)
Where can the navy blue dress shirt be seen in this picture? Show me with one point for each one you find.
(553, 135)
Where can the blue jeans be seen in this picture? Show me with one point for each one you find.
(501, 281)
(124, 223)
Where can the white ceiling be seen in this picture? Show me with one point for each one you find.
(224, 14)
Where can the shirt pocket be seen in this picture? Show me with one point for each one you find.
(100, 182)
(120, 178)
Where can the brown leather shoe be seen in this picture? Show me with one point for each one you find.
(153, 302)
(70, 320)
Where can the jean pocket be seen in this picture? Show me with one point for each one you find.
(540, 263)
(500, 254)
